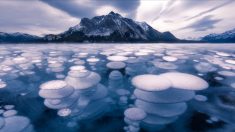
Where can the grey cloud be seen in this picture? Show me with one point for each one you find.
(129, 7)
(75, 9)
(203, 24)
(164, 10)
(71, 7)
(124, 5)
(211, 9)
(193, 3)
(17, 16)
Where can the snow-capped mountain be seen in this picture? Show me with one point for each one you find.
(228, 36)
(106, 28)
(111, 28)
(17, 38)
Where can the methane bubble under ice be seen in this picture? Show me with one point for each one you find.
(149, 87)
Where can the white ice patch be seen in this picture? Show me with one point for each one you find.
(55, 84)
(77, 68)
(141, 53)
(2, 84)
(64, 112)
(83, 82)
(169, 58)
(201, 98)
(20, 60)
(56, 93)
(230, 61)
(233, 85)
(227, 73)
(135, 114)
(8, 107)
(9, 113)
(223, 54)
(116, 65)
(205, 67)
(93, 60)
(150, 82)
(15, 124)
(115, 75)
(165, 65)
(185, 81)
(117, 58)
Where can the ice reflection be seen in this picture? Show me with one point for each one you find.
(131, 88)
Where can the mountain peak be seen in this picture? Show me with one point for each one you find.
(111, 28)
(113, 13)
(115, 28)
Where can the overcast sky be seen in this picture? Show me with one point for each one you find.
(184, 18)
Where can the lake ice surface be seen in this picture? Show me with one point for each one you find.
(117, 87)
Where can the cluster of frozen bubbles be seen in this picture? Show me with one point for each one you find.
(11, 122)
(149, 86)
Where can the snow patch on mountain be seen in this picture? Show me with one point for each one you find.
(228, 36)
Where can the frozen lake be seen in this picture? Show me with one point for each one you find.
(117, 87)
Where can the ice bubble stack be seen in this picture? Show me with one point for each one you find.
(117, 62)
(57, 94)
(115, 80)
(36, 57)
(117, 89)
(92, 94)
(56, 62)
(135, 66)
(11, 122)
(80, 94)
(133, 117)
(204, 67)
(163, 97)
(116, 65)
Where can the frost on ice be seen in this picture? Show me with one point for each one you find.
(127, 87)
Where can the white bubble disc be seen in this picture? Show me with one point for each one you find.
(149, 82)
(185, 81)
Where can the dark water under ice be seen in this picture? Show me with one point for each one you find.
(117, 87)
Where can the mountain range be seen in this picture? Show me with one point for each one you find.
(226, 37)
(18, 38)
(106, 28)
(110, 28)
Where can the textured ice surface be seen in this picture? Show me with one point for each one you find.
(117, 87)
